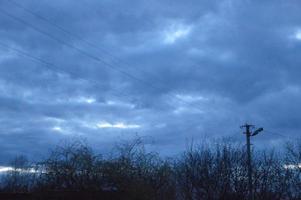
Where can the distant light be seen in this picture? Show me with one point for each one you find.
(176, 32)
(117, 125)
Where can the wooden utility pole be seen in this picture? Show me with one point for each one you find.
(249, 158)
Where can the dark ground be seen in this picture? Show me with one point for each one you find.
(61, 196)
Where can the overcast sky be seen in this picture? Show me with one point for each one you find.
(166, 70)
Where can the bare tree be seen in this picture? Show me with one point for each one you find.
(140, 174)
(72, 166)
(216, 171)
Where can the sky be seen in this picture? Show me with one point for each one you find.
(169, 71)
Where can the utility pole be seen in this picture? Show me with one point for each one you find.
(249, 158)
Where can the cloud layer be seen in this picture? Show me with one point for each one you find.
(167, 70)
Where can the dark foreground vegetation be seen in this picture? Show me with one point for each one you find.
(204, 172)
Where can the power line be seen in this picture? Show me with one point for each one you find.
(53, 67)
(180, 100)
(276, 133)
(75, 36)
(50, 66)
(93, 57)
(78, 38)
(60, 28)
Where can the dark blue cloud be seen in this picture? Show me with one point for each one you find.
(166, 70)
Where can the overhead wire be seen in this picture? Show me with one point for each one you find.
(50, 66)
(57, 69)
(87, 42)
(93, 57)
(77, 37)
(60, 28)
(54, 68)
(96, 58)
(278, 134)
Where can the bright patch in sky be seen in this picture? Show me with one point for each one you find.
(117, 125)
(291, 166)
(57, 128)
(4, 169)
(176, 32)
(191, 98)
(298, 35)
(87, 100)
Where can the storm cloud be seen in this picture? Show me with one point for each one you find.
(167, 70)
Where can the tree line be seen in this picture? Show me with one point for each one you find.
(202, 172)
